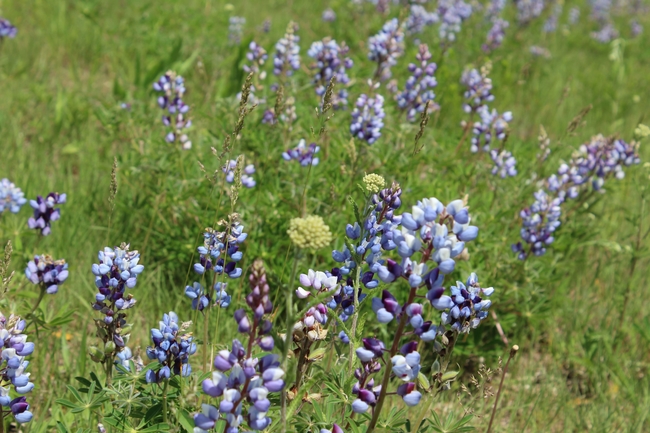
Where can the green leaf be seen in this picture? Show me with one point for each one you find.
(66, 403)
(423, 381)
(186, 420)
(450, 375)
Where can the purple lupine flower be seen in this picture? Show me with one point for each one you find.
(419, 86)
(496, 34)
(636, 29)
(418, 18)
(600, 10)
(528, 10)
(550, 25)
(219, 247)
(606, 34)
(331, 60)
(255, 59)
(303, 153)
(12, 198)
(386, 47)
(287, 53)
(172, 348)
(44, 212)
(172, 87)
(368, 118)
(409, 394)
(574, 15)
(13, 366)
(246, 176)
(201, 299)
(478, 90)
(494, 9)
(235, 30)
(117, 271)
(329, 16)
(492, 125)
(7, 30)
(504, 163)
(538, 51)
(335, 429)
(241, 380)
(47, 272)
(452, 14)
(539, 222)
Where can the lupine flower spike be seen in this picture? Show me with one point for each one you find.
(47, 272)
(302, 153)
(419, 86)
(11, 197)
(172, 348)
(172, 87)
(246, 176)
(7, 30)
(45, 212)
(368, 116)
(331, 60)
(386, 47)
(13, 367)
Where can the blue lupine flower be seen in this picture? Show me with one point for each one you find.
(13, 366)
(452, 14)
(303, 154)
(386, 47)
(235, 29)
(331, 60)
(419, 86)
(478, 90)
(172, 87)
(7, 30)
(550, 25)
(287, 53)
(504, 163)
(470, 306)
(48, 273)
(335, 429)
(44, 212)
(527, 10)
(409, 394)
(496, 34)
(329, 15)
(172, 348)
(11, 197)
(418, 18)
(196, 294)
(492, 125)
(574, 15)
(246, 176)
(219, 247)
(368, 118)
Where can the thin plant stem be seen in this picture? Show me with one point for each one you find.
(2, 421)
(513, 352)
(164, 401)
(38, 301)
(355, 316)
(288, 339)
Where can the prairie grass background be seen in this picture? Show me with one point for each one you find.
(582, 366)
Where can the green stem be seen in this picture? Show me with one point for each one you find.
(355, 316)
(206, 324)
(2, 421)
(387, 369)
(164, 402)
(108, 365)
(38, 301)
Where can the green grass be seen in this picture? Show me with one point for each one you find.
(73, 63)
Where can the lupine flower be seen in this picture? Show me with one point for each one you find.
(374, 183)
(329, 15)
(538, 51)
(492, 125)
(386, 47)
(504, 163)
(635, 28)
(368, 118)
(335, 429)
(527, 10)
(496, 34)
(419, 86)
(255, 59)
(494, 9)
(287, 58)
(235, 29)
(7, 30)
(117, 271)
(550, 25)
(44, 212)
(46, 272)
(11, 197)
(172, 347)
(172, 87)
(606, 34)
(592, 164)
(13, 366)
(309, 233)
(201, 300)
(574, 15)
(600, 9)
(452, 14)
(409, 394)
(478, 90)
(418, 18)
(469, 306)
(219, 247)
(331, 60)
(303, 154)
(246, 176)
(243, 381)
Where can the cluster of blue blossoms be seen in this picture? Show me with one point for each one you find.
(419, 18)
(244, 381)
(14, 347)
(386, 47)
(302, 153)
(592, 164)
(117, 271)
(172, 87)
(528, 10)
(172, 347)
(246, 176)
(7, 30)
(287, 53)
(331, 60)
(47, 272)
(368, 118)
(218, 255)
(419, 86)
(45, 212)
(452, 13)
(12, 198)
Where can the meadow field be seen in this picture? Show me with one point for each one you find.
(331, 157)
